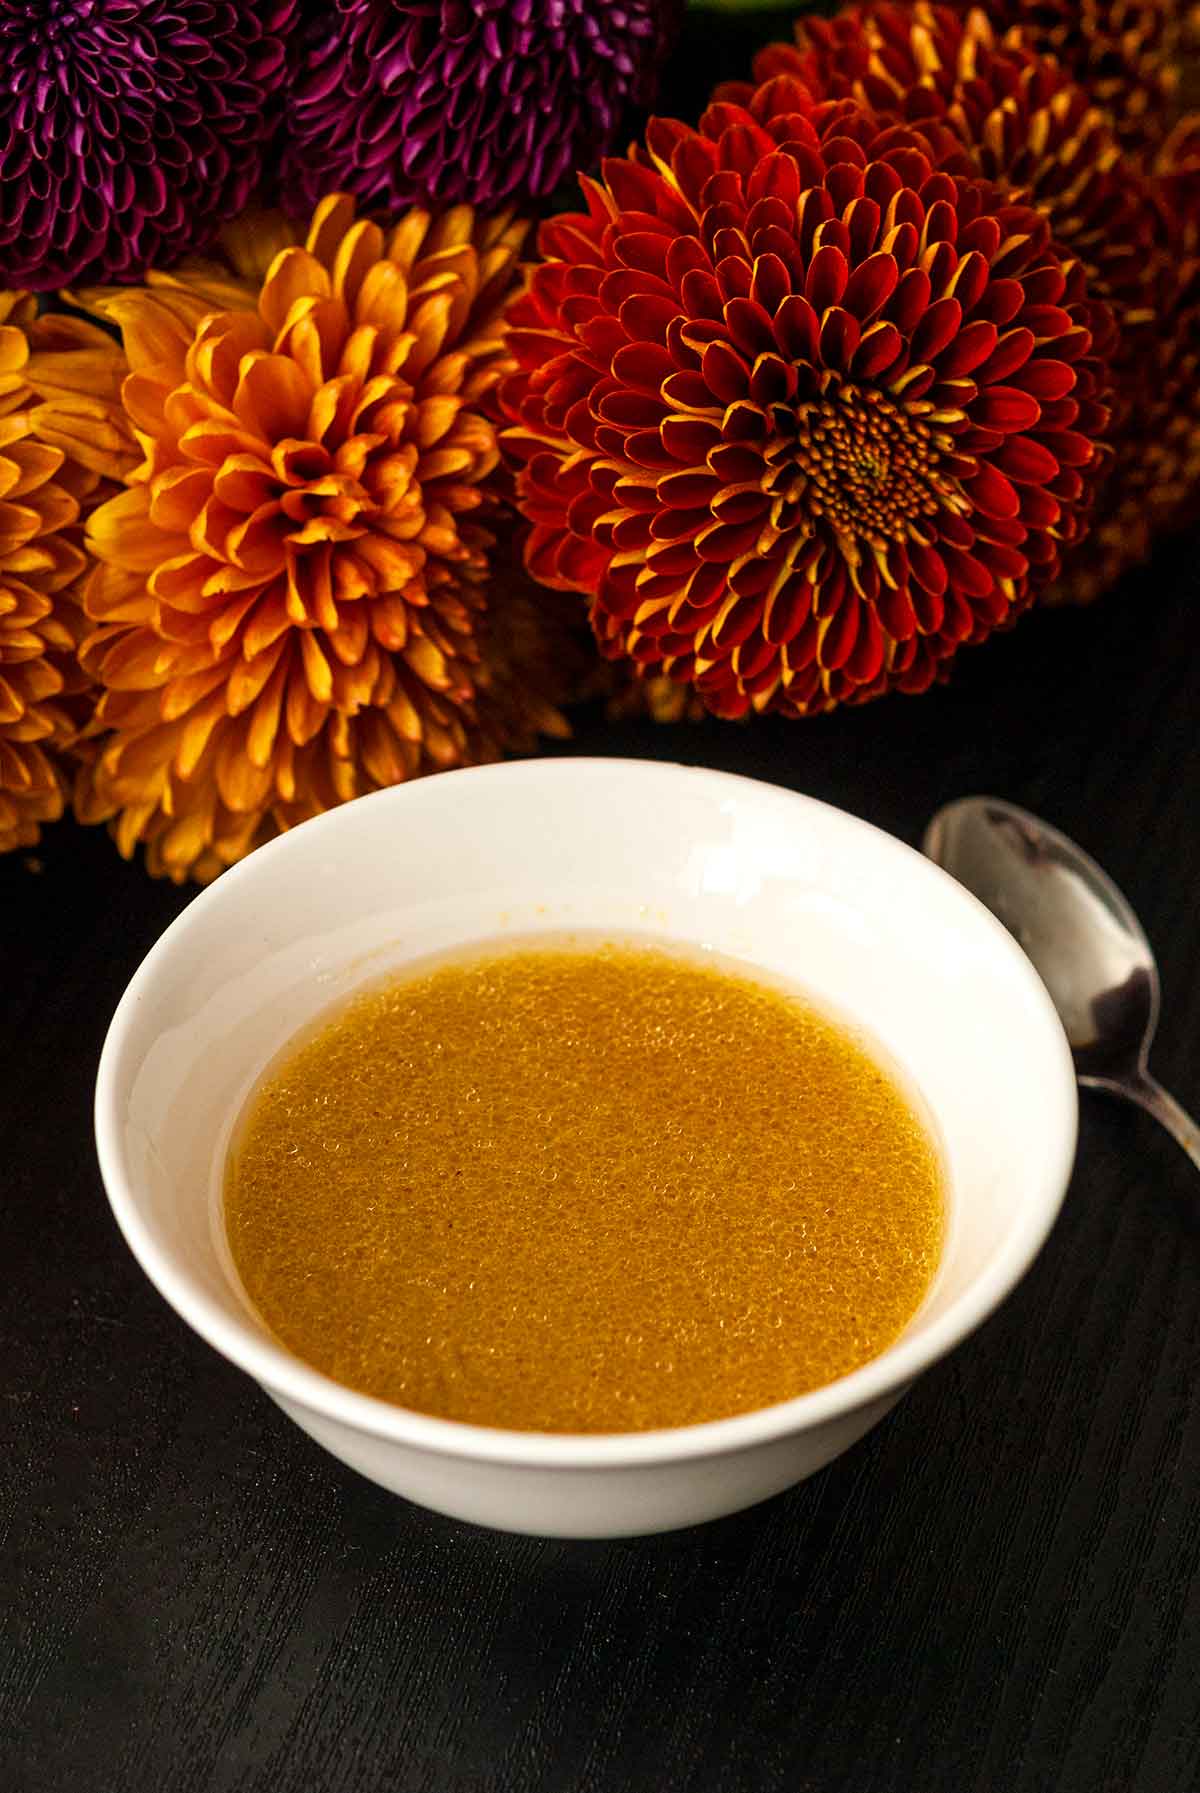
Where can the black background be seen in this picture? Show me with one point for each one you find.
(998, 1589)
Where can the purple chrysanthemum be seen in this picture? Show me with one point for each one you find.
(129, 129)
(482, 101)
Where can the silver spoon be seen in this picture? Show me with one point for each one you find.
(1083, 938)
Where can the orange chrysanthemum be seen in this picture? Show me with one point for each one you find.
(43, 484)
(1173, 423)
(1153, 487)
(1027, 126)
(799, 410)
(292, 602)
(1127, 54)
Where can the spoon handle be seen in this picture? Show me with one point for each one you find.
(1159, 1102)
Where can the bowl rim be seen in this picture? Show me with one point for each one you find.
(290, 1380)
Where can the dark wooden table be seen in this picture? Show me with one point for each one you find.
(998, 1590)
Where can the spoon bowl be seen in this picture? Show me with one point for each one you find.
(1082, 935)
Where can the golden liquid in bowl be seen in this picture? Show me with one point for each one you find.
(583, 1187)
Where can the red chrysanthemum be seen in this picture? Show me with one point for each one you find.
(1027, 126)
(800, 411)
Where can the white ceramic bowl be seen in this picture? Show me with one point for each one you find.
(803, 890)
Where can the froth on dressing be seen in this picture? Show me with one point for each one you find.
(583, 1187)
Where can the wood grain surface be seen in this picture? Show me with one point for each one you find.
(999, 1589)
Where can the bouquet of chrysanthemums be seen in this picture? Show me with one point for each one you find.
(379, 378)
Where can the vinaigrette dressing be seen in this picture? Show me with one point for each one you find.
(582, 1187)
